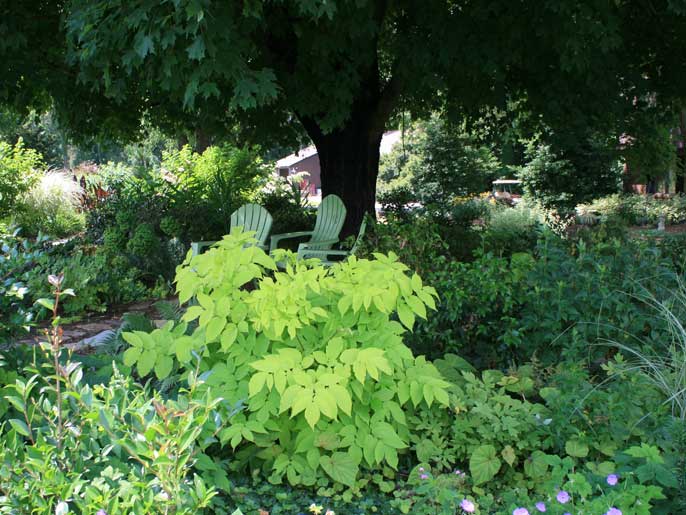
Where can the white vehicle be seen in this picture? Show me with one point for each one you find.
(508, 191)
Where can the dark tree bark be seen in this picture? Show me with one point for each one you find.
(349, 161)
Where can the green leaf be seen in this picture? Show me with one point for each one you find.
(143, 45)
(163, 366)
(146, 361)
(312, 414)
(48, 304)
(196, 51)
(484, 464)
(131, 355)
(256, 383)
(385, 432)
(576, 449)
(341, 467)
(343, 398)
(405, 315)
(20, 427)
(214, 328)
(183, 348)
(326, 403)
(508, 454)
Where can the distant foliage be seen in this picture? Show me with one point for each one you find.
(19, 171)
(562, 178)
(436, 163)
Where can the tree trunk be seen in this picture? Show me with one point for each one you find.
(349, 161)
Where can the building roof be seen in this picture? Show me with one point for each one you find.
(388, 141)
(300, 155)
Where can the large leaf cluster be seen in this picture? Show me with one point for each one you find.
(315, 354)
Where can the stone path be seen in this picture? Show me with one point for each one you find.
(87, 334)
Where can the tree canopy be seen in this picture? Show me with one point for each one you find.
(339, 68)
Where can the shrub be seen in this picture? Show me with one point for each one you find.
(70, 448)
(439, 163)
(511, 230)
(313, 352)
(19, 168)
(51, 206)
(561, 179)
(556, 301)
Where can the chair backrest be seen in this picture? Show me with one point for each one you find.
(330, 219)
(360, 235)
(253, 218)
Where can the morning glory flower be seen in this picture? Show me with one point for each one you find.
(424, 476)
(540, 506)
(613, 511)
(562, 497)
(467, 506)
(612, 479)
(101, 512)
(520, 511)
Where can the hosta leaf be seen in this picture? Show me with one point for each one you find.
(146, 361)
(131, 355)
(484, 464)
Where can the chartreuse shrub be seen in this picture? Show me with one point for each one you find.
(315, 354)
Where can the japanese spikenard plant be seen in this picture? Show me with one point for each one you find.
(314, 353)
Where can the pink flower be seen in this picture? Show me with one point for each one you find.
(467, 506)
(424, 476)
(612, 479)
(520, 511)
(540, 506)
(562, 497)
(613, 511)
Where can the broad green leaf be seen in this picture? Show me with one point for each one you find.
(385, 432)
(508, 454)
(340, 467)
(312, 414)
(405, 315)
(146, 361)
(214, 328)
(484, 464)
(576, 448)
(256, 383)
(163, 366)
(131, 355)
(20, 426)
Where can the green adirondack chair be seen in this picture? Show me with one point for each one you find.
(304, 250)
(330, 218)
(252, 218)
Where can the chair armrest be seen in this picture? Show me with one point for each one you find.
(276, 238)
(308, 244)
(198, 246)
(321, 254)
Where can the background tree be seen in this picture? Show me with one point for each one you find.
(340, 68)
